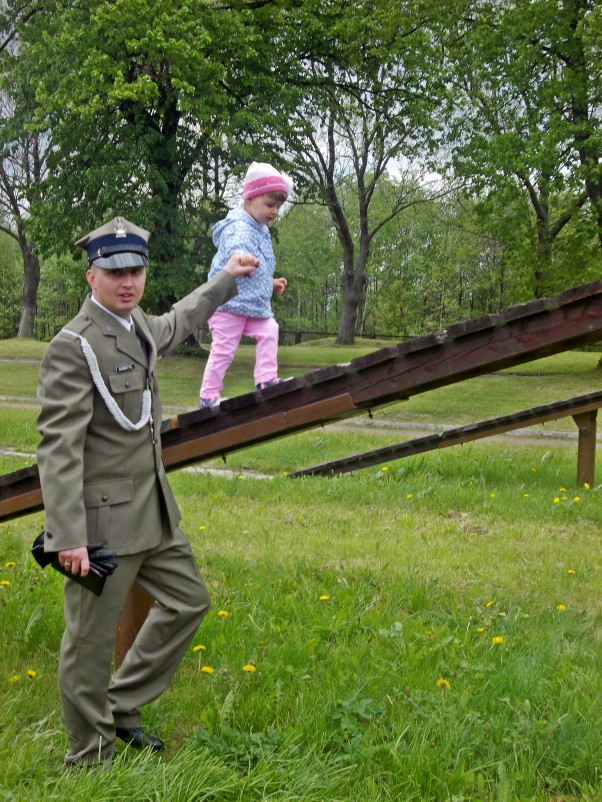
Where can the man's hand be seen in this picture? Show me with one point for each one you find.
(241, 264)
(280, 285)
(75, 560)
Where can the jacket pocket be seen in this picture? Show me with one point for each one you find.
(127, 382)
(99, 498)
(126, 389)
(103, 494)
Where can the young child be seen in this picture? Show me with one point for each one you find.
(250, 312)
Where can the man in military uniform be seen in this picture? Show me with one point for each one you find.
(103, 481)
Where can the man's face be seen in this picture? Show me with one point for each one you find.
(119, 291)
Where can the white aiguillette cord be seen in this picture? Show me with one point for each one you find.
(102, 388)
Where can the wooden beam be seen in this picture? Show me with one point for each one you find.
(586, 451)
(581, 408)
(132, 617)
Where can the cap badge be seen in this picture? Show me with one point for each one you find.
(120, 227)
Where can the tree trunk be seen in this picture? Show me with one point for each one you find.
(353, 285)
(543, 257)
(31, 282)
(350, 297)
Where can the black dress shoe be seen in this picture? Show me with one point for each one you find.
(138, 739)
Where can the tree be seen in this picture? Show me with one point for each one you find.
(371, 93)
(21, 172)
(143, 118)
(22, 166)
(520, 75)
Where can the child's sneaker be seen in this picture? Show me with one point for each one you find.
(271, 383)
(208, 402)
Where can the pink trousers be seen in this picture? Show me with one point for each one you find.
(226, 331)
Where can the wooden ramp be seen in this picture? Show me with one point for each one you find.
(462, 351)
(583, 409)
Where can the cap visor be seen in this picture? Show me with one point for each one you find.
(120, 260)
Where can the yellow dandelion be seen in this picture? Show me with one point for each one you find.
(562, 489)
(497, 640)
(492, 495)
(223, 614)
(224, 670)
(443, 683)
(490, 603)
(324, 598)
(15, 678)
(571, 571)
(480, 629)
(285, 473)
(561, 607)
(261, 642)
(429, 633)
(5, 583)
(202, 528)
(249, 668)
(384, 469)
(10, 564)
(410, 495)
(576, 499)
(199, 648)
(525, 495)
(533, 470)
(31, 673)
(556, 500)
(207, 669)
(586, 485)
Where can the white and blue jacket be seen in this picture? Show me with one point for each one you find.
(238, 232)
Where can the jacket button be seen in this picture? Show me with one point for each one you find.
(127, 384)
(104, 498)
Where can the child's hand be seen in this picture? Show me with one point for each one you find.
(241, 264)
(280, 285)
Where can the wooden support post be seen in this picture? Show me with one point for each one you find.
(133, 616)
(586, 450)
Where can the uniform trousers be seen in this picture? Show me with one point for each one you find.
(226, 331)
(93, 701)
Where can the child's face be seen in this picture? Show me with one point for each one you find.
(264, 209)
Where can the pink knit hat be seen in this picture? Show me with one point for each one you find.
(261, 178)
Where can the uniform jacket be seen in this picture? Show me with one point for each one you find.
(238, 232)
(100, 483)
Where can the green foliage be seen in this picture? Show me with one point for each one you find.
(166, 103)
(62, 290)
(525, 120)
(11, 271)
(143, 119)
(308, 254)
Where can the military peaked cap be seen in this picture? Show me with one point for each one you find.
(117, 244)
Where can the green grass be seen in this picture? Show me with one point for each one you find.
(357, 600)
(422, 570)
